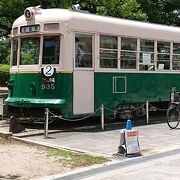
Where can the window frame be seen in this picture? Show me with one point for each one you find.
(175, 70)
(12, 52)
(93, 51)
(108, 49)
(153, 53)
(131, 51)
(42, 46)
(19, 51)
(98, 54)
(170, 57)
(39, 65)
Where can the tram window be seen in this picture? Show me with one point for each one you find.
(146, 51)
(163, 56)
(15, 30)
(176, 56)
(83, 50)
(108, 51)
(15, 49)
(51, 50)
(146, 45)
(128, 53)
(29, 51)
(146, 56)
(51, 27)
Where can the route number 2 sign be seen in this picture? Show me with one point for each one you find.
(48, 70)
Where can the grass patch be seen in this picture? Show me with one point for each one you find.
(74, 159)
(65, 158)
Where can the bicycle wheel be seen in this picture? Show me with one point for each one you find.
(172, 116)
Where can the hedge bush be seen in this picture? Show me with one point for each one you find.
(4, 74)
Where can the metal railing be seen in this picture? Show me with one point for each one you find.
(102, 109)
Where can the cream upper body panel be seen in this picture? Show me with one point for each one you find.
(78, 21)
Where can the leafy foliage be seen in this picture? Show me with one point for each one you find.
(162, 11)
(129, 9)
(4, 74)
(28, 58)
(4, 51)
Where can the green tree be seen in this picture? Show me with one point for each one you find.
(4, 51)
(129, 9)
(162, 11)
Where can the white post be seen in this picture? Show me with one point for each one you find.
(46, 123)
(102, 117)
(147, 112)
(1, 108)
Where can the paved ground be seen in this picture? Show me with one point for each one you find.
(157, 142)
(152, 138)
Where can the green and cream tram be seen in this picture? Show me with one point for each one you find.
(74, 62)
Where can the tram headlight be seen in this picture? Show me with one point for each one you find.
(29, 13)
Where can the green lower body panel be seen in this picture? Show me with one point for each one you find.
(36, 91)
(29, 102)
(112, 89)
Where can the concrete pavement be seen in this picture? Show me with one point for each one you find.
(153, 139)
(157, 142)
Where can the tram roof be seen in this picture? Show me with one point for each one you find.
(87, 22)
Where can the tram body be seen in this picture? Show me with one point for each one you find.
(123, 63)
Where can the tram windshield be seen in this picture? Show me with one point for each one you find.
(51, 50)
(29, 50)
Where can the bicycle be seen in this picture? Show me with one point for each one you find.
(173, 112)
(173, 115)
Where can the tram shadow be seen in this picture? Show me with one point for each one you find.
(93, 124)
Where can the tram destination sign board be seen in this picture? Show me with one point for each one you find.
(30, 29)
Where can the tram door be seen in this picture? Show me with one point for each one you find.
(83, 77)
(83, 98)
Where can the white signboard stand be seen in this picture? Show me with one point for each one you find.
(129, 143)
